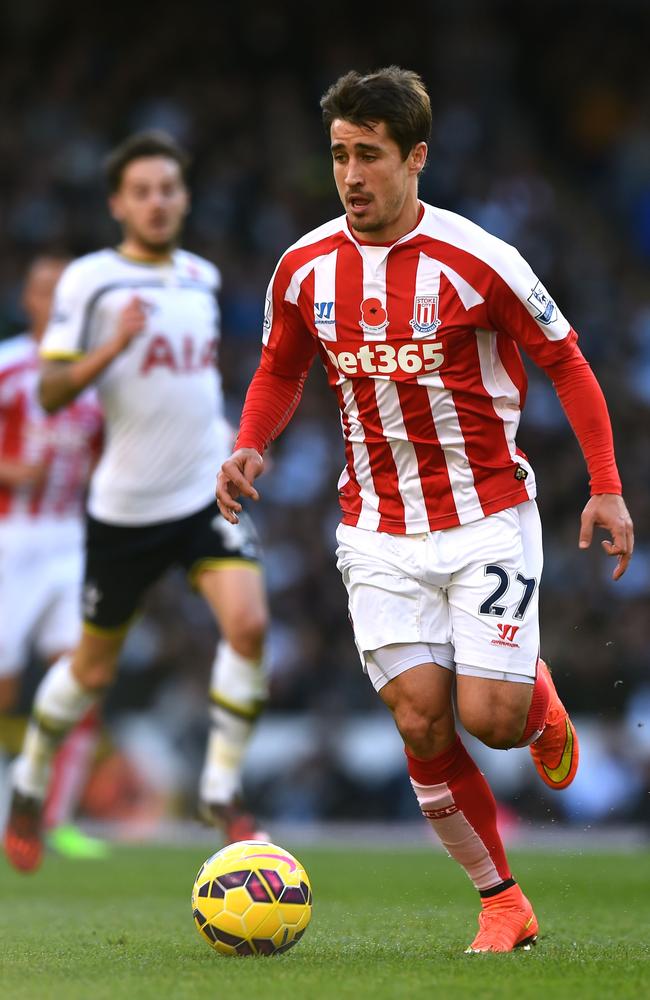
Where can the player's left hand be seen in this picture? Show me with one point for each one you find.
(608, 511)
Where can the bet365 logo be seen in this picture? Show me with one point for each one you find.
(383, 358)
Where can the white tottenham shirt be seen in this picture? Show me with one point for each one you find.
(165, 435)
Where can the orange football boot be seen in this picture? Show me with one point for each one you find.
(556, 752)
(23, 842)
(506, 922)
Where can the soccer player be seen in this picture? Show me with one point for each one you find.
(45, 463)
(141, 322)
(418, 316)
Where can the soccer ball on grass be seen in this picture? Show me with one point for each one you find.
(251, 898)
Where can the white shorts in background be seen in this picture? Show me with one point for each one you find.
(468, 596)
(41, 568)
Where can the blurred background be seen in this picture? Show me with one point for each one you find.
(541, 135)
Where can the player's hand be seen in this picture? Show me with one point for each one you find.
(18, 474)
(235, 479)
(132, 321)
(608, 511)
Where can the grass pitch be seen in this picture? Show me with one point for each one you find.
(387, 925)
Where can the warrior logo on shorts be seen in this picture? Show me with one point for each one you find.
(425, 313)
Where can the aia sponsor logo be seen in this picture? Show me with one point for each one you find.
(374, 318)
(185, 357)
(425, 313)
(507, 635)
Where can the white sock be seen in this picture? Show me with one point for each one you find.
(70, 769)
(59, 703)
(238, 691)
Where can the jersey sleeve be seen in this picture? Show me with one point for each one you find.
(64, 338)
(288, 349)
(288, 346)
(520, 306)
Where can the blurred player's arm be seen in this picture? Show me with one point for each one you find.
(15, 474)
(62, 380)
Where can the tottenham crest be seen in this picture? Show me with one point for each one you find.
(425, 313)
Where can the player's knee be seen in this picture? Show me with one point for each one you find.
(94, 673)
(422, 731)
(499, 731)
(247, 631)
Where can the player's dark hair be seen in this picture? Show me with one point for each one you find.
(151, 143)
(397, 97)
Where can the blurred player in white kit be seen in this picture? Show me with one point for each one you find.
(142, 322)
(45, 464)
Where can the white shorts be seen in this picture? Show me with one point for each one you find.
(465, 598)
(41, 568)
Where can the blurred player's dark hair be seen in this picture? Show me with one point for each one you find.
(153, 142)
(397, 97)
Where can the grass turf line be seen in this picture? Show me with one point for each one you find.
(387, 925)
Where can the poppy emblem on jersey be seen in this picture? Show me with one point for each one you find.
(543, 304)
(374, 318)
(425, 313)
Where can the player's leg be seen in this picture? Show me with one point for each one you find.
(400, 615)
(69, 690)
(452, 793)
(494, 609)
(238, 690)
(58, 630)
(120, 564)
(224, 568)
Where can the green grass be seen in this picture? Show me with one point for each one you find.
(386, 924)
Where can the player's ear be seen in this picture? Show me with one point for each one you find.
(115, 207)
(418, 157)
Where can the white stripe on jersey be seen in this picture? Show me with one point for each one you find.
(374, 284)
(452, 442)
(504, 393)
(324, 282)
(369, 517)
(406, 462)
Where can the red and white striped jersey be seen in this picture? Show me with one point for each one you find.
(420, 341)
(67, 443)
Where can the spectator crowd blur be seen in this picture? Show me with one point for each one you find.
(541, 135)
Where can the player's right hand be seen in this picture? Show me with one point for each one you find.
(132, 321)
(235, 479)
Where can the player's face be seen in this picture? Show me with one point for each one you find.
(377, 187)
(38, 292)
(151, 203)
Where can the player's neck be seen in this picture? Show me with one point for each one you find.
(135, 250)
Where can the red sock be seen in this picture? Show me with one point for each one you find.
(457, 800)
(537, 711)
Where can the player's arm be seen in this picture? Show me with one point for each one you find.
(61, 381)
(521, 307)
(271, 400)
(15, 474)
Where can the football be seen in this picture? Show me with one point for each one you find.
(251, 898)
